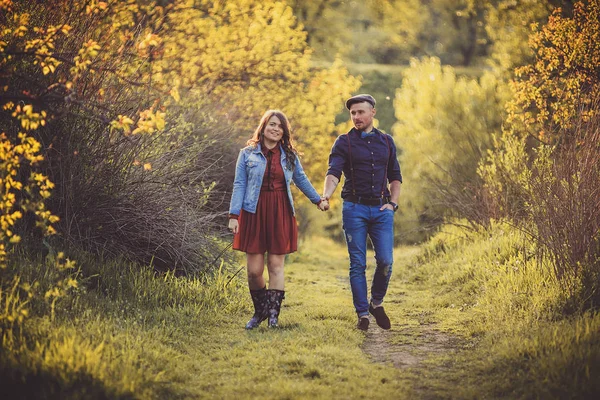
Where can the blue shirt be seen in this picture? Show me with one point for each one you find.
(370, 156)
(249, 173)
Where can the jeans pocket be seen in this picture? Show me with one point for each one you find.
(348, 205)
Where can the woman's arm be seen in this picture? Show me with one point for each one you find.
(239, 185)
(303, 183)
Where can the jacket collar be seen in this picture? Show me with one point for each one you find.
(258, 148)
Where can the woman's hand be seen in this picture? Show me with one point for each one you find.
(323, 204)
(234, 226)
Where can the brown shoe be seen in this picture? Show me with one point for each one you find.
(363, 323)
(380, 317)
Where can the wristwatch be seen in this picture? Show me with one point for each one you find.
(394, 205)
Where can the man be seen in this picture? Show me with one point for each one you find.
(367, 158)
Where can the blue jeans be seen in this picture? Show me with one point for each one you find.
(359, 221)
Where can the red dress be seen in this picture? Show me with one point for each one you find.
(273, 227)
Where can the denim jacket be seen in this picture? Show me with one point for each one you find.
(249, 173)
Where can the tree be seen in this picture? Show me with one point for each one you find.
(248, 56)
(552, 91)
(136, 105)
(508, 25)
(445, 126)
(326, 23)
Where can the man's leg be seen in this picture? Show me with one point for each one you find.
(381, 231)
(354, 219)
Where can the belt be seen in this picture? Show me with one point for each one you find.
(368, 201)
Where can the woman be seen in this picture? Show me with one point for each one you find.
(261, 212)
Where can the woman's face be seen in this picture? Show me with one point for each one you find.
(273, 130)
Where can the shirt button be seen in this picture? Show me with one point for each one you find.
(371, 153)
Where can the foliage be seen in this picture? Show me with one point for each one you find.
(393, 31)
(133, 334)
(66, 67)
(140, 102)
(564, 208)
(445, 124)
(252, 56)
(25, 189)
(512, 338)
(505, 175)
(325, 23)
(553, 90)
(550, 190)
(555, 200)
(508, 25)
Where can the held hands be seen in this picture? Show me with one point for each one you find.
(323, 205)
(233, 225)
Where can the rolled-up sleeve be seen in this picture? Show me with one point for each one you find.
(337, 157)
(394, 173)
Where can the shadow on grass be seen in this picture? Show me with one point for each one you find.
(42, 385)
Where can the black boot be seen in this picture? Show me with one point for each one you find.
(275, 297)
(259, 298)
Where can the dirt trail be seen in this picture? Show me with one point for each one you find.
(379, 347)
(382, 346)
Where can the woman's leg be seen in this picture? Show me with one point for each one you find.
(258, 291)
(275, 267)
(275, 294)
(255, 267)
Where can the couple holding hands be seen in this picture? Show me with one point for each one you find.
(262, 216)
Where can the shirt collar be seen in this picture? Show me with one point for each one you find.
(266, 151)
(367, 134)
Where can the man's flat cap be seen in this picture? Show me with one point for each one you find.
(359, 98)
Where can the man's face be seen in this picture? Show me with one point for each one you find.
(362, 115)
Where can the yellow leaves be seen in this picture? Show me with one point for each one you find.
(240, 39)
(94, 7)
(175, 94)
(84, 56)
(149, 40)
(29, 120)
(148, 122)
(62, 263)
(54, 292)
(30, 194)
(65, 29)
(122, 123)
(5, 5)
(147, 167)
(564, 73)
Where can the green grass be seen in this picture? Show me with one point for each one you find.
(128, 334)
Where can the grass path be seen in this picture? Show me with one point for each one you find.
(470, 320)
(317, 352)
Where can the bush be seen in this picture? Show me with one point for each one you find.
(135, 104)
(565, 209)
(554, 196)
(445, 125)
